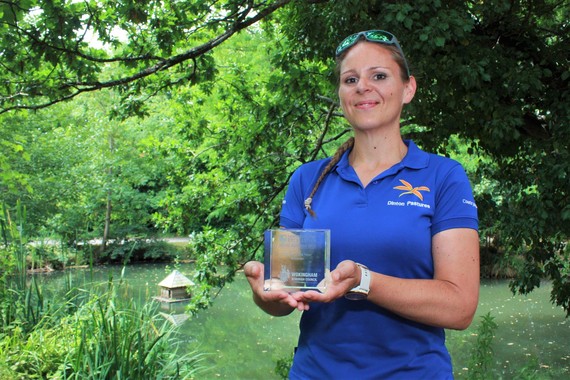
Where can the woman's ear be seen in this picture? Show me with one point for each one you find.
(410, 90)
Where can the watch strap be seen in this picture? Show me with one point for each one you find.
(361, 291)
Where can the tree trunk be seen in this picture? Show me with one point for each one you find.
(108, 208)
(107, 221)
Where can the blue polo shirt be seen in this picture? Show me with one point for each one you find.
(388, 226)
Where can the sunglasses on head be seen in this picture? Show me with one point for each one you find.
(377, 36)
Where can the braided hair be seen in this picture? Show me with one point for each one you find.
(348, 144)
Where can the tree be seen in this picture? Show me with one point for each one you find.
(53, 51)
(13, 149)
(496, 74)
(492, 74)
(72, 175)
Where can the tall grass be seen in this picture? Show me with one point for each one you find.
(20, 300)
(116, 339)
(80, 335)
(106, 338)
(481, 360)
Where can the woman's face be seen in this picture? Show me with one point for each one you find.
(371, 90)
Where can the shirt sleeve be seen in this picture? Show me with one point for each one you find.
(455, 204)
(293, 211)
(292, 208)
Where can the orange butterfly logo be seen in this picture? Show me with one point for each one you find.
(409, 189)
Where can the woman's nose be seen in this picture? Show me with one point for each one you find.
(363, 85)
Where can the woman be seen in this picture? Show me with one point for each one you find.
(404, 240)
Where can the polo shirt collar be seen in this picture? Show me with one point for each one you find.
(414, 159)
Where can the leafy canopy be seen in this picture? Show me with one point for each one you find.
(244, 112)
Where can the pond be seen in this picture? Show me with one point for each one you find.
(242, 342)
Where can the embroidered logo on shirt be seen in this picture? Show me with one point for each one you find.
(409, 189)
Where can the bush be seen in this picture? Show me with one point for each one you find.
(283, 366)
(134, 251)
(105, 339)
(482, 352)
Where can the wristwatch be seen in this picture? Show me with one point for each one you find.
(361, 291)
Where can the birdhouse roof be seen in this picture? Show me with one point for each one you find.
(175, 280)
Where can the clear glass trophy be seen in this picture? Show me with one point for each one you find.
(296, 259)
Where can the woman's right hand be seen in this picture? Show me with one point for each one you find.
(274, 302)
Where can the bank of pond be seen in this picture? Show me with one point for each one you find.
(236, 340)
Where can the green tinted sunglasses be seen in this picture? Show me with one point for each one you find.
(377, 36)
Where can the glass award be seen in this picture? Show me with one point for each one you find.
(296, 259)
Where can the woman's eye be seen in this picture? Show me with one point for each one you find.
(379, 76)
(350, 80)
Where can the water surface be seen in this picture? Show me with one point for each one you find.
(242, 342)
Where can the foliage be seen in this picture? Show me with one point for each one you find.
(9, 259)
(47, 255)
(55, 51)
(120, 340)
(69, 146)
(12, 145)
(105, 338)
(497, 75)
(226, 120)
(21, 300)
(530, 371)
(138, 250)
(235, 158)
(283, 366)
(80, 335)
(482, 353)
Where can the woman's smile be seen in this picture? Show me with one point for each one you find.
(366, 104)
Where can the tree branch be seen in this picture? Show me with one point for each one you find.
(242, 22)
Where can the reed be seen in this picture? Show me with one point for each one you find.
(117, 339)
(482, 358)
(106, 338)
(83, 334)
(21, 300)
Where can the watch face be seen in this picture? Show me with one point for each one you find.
(356, 296)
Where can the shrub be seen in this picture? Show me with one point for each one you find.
(133, 251)
(105, 338)
(482, 352)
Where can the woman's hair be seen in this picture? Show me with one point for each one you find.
(350, 142)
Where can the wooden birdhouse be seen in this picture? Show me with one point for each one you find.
(174, 288)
